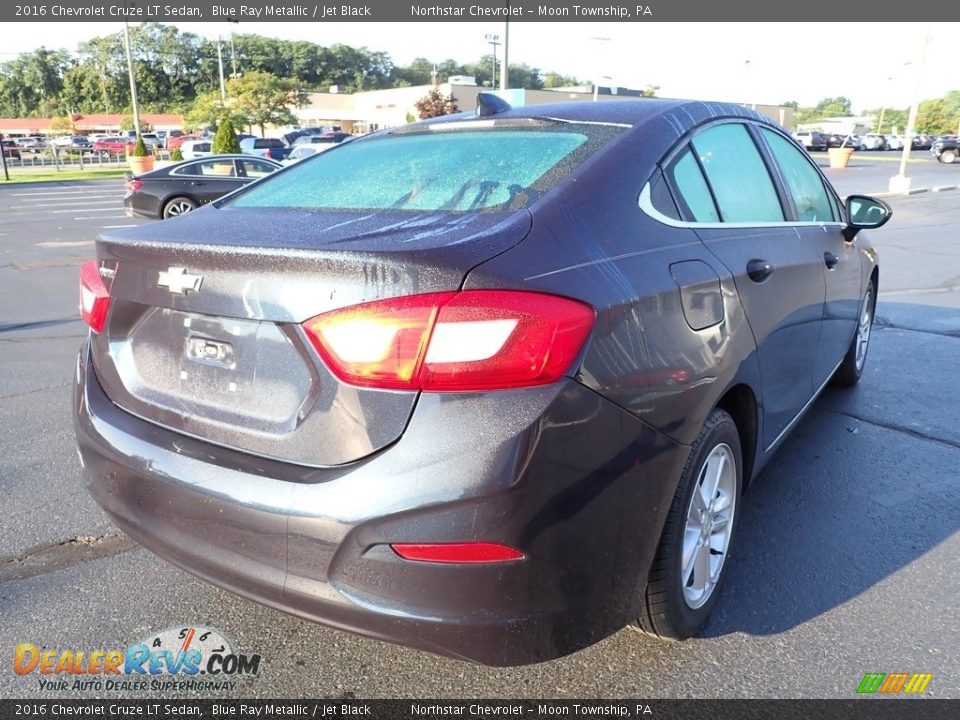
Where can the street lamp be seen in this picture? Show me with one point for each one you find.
(233, 49)
(596, 83)
(900, 183)
(505, 65)
(133, 79)
(494, 40)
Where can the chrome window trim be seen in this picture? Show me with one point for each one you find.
(645, 203)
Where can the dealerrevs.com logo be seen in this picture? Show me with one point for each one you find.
(181, 658)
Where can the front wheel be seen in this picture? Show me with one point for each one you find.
(692, 558)
(948, 156)
(850, 370)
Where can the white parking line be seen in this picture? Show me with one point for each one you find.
(53, 192)
(59, 212)
(112, 200)
(102, 217)
(65, 243)
(111, 227)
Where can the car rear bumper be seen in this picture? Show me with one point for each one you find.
(574, 482)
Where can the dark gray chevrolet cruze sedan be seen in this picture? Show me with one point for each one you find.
(488, 385)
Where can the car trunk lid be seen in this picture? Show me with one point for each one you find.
(204, 334)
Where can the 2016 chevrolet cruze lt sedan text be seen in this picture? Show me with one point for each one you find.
(488, 385)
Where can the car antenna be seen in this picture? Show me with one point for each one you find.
(490, 104)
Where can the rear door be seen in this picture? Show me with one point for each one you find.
(726, 188)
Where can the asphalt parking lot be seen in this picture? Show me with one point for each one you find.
(848, 549)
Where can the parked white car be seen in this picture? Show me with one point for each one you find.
(192, 149)
(894, 142)
(303, 151)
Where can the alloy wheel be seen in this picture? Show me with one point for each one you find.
(709, 526)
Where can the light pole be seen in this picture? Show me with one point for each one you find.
(596, 83)
(494, 40)
(505, 65)
(133, 79)
(223, 87)
(233, 49)
(900, 182)
(883, 108)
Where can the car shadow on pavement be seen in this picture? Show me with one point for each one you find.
(865, 487)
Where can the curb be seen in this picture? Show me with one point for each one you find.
(916, 191)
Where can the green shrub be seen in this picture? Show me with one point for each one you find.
(226, 140)
(176, 155)
(140, 149)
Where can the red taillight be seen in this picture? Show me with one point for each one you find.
(468, 552)
(94, 296)
(134, 185)
(456, 341)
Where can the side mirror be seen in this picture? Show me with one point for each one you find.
(865, 213)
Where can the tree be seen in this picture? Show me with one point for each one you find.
(263, 99)
(934, 119)
(556, 80)
(833, 107)
(226, 140)
(434, 104)
(62, 125)
(888, 118)
(208, 109)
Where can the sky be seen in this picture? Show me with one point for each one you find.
(873, 64)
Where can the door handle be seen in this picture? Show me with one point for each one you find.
(759, 270)
(197, 182)
(831, 260)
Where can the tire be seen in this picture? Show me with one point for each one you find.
(178, 206)
(850, 370)
(948, 156)
(674, 607)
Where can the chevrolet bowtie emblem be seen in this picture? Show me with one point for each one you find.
(178, 281)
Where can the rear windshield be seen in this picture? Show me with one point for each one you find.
(450, 170)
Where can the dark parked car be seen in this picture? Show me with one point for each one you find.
(492, 389)
(10, 149)
(946, 149)
(178, 189)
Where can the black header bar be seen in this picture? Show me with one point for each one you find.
(333, 709)
(823, 12)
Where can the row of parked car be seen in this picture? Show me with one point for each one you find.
(295, 145)
(203, 177)
(813, 140)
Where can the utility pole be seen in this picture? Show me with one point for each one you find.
(133, 78)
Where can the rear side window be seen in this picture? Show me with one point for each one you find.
(219, 168)
(804, 183)
(737, 175)
(693, 189)
(456, 170)
(256, 168)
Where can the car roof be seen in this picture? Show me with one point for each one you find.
(621, 112)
